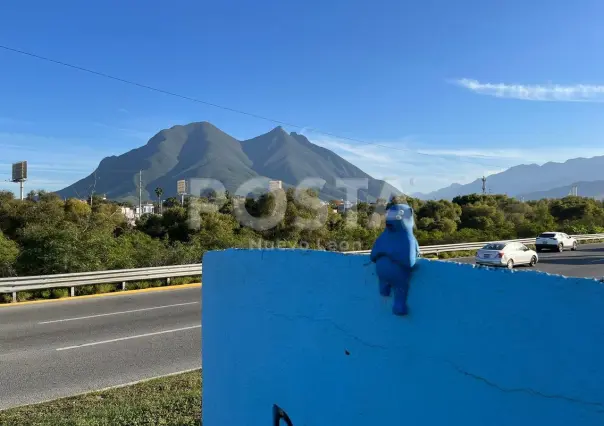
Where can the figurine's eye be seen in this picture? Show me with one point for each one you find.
(399, 217)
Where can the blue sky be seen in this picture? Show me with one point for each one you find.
(448, 90)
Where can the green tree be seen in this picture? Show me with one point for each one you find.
(77, 211)
(6, 196)
(9, 251)
(159, 192)
(171, 202)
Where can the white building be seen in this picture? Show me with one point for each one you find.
(148, 208)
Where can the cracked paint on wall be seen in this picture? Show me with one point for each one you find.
(308, 332)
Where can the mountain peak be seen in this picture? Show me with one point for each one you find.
(279, 130)
(300, 138)
(201, 124)
(533, 180)
(200, 149)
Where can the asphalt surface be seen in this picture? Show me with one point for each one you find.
(586, 262)
(58, 349)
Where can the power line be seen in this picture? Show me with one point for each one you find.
(166, 92)
(189, 98)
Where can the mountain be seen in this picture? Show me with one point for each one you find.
(201, 150)
(593, 189)
(528, 179)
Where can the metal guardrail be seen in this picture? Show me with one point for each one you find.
(71, 281)
(15, 284)
(443, 248)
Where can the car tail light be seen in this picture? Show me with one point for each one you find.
(500, 254)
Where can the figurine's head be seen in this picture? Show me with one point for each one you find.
(399, 218)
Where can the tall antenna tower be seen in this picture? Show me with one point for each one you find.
(484, 185)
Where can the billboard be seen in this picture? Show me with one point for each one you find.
(20, 171)
(181, 187)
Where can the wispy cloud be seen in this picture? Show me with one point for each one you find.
(474, 153)
(53, 162)
(12, 121)
(366, 152)
(411, 169)
(419, 167)
(52, 168)
(125, 131)
(35, 184)
(536, 92)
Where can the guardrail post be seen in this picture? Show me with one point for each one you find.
(14, 297)
(123, 285)
(72, 292)
(168, 281)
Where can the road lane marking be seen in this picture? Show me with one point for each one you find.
(118, 313)
(128, 338)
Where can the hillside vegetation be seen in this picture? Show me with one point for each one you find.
(201, 150)
(49, 235)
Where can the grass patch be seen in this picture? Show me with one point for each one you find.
(138, 285)
(174, 400)
(86, 290)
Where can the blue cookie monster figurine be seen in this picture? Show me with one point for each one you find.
(394, 253)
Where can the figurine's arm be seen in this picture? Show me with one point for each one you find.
(413, 252)
(375, 253)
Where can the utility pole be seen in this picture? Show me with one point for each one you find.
(93, 186)
(140, 193)
(484, 185)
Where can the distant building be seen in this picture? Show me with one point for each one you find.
(273, 185)
(342, 206)
(148, 208)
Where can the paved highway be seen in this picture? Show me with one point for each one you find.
(63, 348)
(586, 262)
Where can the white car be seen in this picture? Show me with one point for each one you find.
(555, 241)
(506, 254)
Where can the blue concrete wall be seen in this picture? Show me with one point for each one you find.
(309, 332)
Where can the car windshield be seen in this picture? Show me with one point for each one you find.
(547, 235)
(494, 246)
